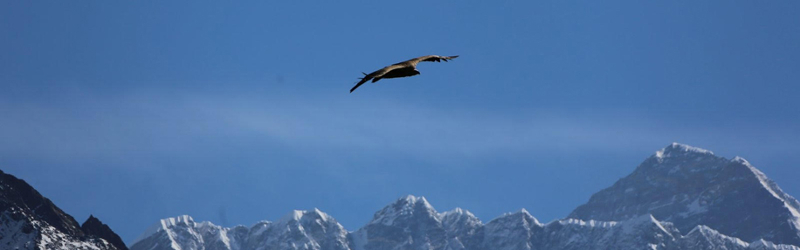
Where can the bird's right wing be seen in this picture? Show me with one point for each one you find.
(430, 58)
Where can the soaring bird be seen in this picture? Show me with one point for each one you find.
(401, 69)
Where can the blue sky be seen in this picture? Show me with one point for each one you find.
(236, 112)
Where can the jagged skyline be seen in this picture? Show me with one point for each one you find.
(754, 211)
(728, 197)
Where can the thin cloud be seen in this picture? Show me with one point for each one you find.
(143, 123)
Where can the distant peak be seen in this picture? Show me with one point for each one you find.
(91, 220)
(183, 219)
(522, 211)
(405, 207)
(675, 149)
(94, 227)
(458, 211)
(320, 214)
(298, 215)
(166, 224)
(457, 214)
(522, 215)
(294, 215)
(411, 199)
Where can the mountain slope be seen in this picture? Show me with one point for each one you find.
(28, 220)
(689, 187)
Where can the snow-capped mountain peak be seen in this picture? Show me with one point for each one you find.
(689, 187)
(520, 216)
(678, 149)
(409, 206)
(295, 215)
(166, 224)
(459, 225)
(457, 214)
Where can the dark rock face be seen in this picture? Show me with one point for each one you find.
(28, 220)
(690, 187)
(17, 193)
(93, 227)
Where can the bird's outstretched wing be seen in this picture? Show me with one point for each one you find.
(429, 58)
(374, 76)
(364, 79)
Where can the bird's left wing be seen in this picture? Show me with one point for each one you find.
(363, 80)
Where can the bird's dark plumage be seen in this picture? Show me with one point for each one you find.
(401, 69)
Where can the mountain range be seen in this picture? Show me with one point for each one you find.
(681, 197)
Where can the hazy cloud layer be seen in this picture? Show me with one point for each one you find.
(141, 123)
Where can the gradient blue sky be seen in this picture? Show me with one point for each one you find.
(239, 111)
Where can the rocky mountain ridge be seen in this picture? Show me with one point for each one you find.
(411, 223)
(28, 220)
(681, 197)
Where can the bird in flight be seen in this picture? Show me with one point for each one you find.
(401, 69)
